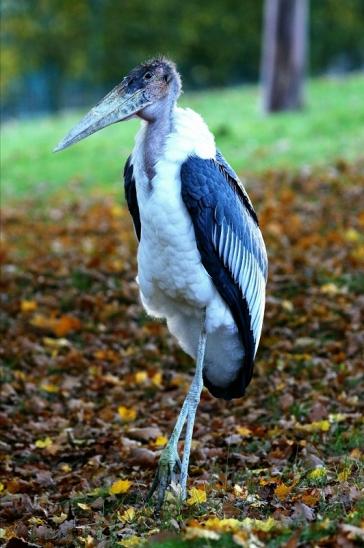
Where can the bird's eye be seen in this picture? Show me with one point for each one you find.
(147, 76)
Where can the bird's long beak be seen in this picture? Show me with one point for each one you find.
(116, 106)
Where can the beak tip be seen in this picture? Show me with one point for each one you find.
(61, 145)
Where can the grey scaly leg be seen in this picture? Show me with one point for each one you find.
(192, 401)
(169, 460)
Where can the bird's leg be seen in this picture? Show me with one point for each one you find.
(192, 401)
(169, 459)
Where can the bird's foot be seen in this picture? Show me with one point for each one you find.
(169, 467)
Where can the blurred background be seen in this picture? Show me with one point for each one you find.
(59, 55)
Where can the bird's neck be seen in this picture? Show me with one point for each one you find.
(158, 127)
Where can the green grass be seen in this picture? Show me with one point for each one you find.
(331, 126)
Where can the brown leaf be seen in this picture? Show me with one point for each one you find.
(145, 434)
(140, 456)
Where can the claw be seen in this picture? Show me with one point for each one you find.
(169, 466)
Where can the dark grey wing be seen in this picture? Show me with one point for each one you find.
(131, 196)
(232, 251)
(234, 180)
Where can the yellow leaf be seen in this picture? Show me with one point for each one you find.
(352, 235)
(131, 541)
(356, 453)
(329, 289)
(317, 473)
(345, 474)
(161, 441)
(55, 343)
(43, 444)
(282, 491)
(120, 486)
(197, 496)
(240, 491)
(260, 524)
(244, 431)
(59, 519)
(141, 376)
(35, 521)
(87, 541)
(127, 414)
(337, 417)
(157, 379)
(358, 253)
(49, 387)
(66, 468)
(20, 375)
(127, 515)
(28, 306)
(2, 487)
(83, 506)
(316, 426)
(287, 305)
(227, 525)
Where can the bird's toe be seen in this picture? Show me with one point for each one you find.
(169, 467)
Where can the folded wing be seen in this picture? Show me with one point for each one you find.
(232, 251)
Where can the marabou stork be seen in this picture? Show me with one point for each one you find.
(202, 262)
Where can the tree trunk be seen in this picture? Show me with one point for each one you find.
(284, 54)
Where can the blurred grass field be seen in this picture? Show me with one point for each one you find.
(331, 127)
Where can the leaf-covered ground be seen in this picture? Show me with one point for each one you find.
(92, 386)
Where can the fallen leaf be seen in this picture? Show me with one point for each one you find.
(141, 456)
(317, 473)
(141, 376)
(282, 491)
(127, 414)
(44, 443)
(130, 542)
(260, 525)
(197, 496)
(83, 506)
(226, 525)
(49, 387)
(244, 431)
(120, 487)
(345, 474)
(157, 379)
(316, 426)
(59, 326)
(310, 499)
(28, 306)
(161, 441)
(145, 434)
(127, 516)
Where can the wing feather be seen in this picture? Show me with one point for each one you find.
(232, 250)
(131, 196)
